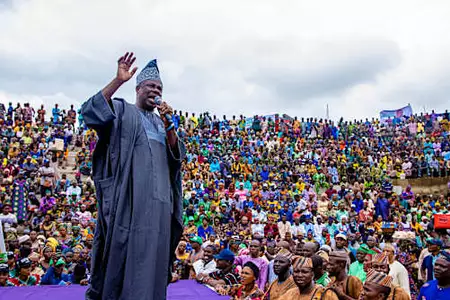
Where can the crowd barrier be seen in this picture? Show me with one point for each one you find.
(181, 290)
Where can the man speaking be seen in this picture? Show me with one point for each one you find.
(136, 170)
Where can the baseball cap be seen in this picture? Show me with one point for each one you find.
(225, 254)
(24, 263)
(60, 262)
(341, 235)
(4, 268)
(196, 239)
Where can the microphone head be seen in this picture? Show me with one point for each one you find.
(158, 100)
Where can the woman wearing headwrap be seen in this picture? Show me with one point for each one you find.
(181, 261)
(248, 289)
(47, 254)
(322, 204)
(35, 265)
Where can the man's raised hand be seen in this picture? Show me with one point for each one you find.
(124, 70)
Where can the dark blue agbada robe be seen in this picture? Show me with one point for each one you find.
(138, 182)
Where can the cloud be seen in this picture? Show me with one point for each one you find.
(233, 57)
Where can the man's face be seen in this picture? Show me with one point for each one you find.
(334, 266)
(380, 267)
(146, 93)
(340, 242)
(360, 256)
(433, 248)
(5, 210)
(303, 276)
(222, 264)
(442, 268)
(389, 253)
(208, 254)
(255, 247)
(371, 242)
(59, 269)
(25, 271)
(281, 265)
(371, 291)
(3, 278)
(308, 249)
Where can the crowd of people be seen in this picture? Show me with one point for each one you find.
(274, 207)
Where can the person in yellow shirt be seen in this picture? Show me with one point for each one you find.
(300, 185)
(420, 127)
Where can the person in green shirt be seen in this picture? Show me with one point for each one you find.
(357, 268)
(320, 275)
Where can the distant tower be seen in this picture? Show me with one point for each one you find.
(327, 113)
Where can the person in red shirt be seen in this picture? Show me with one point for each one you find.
(271, 228)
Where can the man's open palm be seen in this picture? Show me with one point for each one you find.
(124, 70)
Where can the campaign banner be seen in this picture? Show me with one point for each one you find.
(396, 113)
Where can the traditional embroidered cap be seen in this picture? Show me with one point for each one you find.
(379, 278)
(301, 261)
(285, 253)
(380, 258)
(150, 72)
(339, 255)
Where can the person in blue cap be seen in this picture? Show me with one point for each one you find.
(438, 289)
(137, 172)
(4, 276)
(434, 247)
(24, 276)
(226, 275)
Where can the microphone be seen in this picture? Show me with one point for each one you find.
(158, 101)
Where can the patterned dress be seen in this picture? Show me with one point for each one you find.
(405, 258)
(19, 199)
(31, 281)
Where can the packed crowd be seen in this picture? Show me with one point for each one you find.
(274, 207)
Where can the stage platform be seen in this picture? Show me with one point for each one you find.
(181, 290)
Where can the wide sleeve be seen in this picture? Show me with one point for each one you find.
(177, 153)
(264, 274)
(97, 112)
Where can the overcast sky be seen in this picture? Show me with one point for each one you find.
(234, 56)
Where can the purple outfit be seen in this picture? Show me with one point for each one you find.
(260, 263)
(46, 204)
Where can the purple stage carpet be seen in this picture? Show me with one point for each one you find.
(182, 290)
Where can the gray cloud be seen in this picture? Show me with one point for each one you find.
(255, 57)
